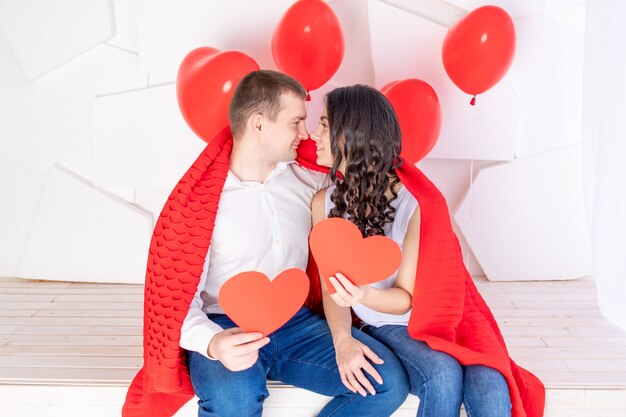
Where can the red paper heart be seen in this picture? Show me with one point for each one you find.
(257, 304)
(338, 246)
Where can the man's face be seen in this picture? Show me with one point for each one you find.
(282, 136)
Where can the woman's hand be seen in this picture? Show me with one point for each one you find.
(348, 294)
(352, 360)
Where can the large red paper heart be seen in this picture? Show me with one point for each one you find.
(257, 304)
(338, 246)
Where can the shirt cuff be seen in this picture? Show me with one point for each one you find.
(200, 337)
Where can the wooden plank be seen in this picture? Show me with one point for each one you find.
(572, 297)
(98, 298)
(69, 340)
(551, 313)
(107, 305)
(58, 361)
(17, 313)
(583, 380)
(7, 330)
(581, 341)
(524, 341)
(77, 330)
(596, 365)
(96, 350)
(555, 305)
(555, 321)
(88, 313)
(533, 364)
(16, 298)
(73, 321)
(575, 352)
(565, 331)
(20, 375)
(67, 290)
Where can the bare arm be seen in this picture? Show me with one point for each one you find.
(351, 354)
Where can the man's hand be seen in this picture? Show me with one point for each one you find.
(235, 349)
(348, 294)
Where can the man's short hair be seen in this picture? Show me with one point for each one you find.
(260, 92)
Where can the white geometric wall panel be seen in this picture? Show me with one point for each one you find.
(20, 192)
(411, 48)
(548, 76)
(356, 66)
(528, 219)
(84, 234)
(141, 140)
(169, 30)
(513, 7)
(49, 120)
(125, 25)
(127, 194)
(45, 34)
(152, 200)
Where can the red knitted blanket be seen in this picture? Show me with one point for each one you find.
(448, 313)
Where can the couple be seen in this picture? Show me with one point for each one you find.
(415, 337)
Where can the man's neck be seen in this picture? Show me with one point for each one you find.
(247, 163)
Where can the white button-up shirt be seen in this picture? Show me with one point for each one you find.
(260, 227)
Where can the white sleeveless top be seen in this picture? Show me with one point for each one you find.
(405, 205)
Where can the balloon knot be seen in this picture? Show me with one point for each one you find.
(308, 96)
(473, 102)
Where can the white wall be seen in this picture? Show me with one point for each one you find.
(87, 104)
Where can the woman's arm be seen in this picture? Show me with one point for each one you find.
(351, 354)
(395, 300)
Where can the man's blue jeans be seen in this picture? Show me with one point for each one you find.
(441, 382)
(300, 353)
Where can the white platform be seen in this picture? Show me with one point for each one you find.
(72, 348)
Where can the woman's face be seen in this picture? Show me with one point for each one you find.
(321, 136)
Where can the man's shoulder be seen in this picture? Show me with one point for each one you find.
(307, 176)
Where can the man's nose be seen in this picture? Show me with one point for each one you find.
(303, 133)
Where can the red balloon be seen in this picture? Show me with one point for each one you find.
(308, 43)
(478, 49)
(205, 84)
(417, 106)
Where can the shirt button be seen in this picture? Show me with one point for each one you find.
(276, 242)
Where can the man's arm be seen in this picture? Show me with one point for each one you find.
(197, 330)
(234, 348)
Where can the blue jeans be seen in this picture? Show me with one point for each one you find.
(441, 382)
(300, 353)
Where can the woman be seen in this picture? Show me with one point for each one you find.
(359, 137)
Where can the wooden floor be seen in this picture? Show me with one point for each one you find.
(79, 335)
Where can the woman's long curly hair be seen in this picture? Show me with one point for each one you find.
(365, 131)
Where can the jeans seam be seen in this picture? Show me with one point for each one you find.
(342, 405)
(329, 368)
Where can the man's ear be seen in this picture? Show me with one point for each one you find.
(256, 123)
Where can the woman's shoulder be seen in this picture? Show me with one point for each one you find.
(318, 205)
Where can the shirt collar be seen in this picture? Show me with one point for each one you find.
(232, 182)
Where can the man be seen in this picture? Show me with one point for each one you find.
(262, 224)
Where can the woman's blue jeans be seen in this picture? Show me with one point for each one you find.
(441, 383)
(300, 353)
